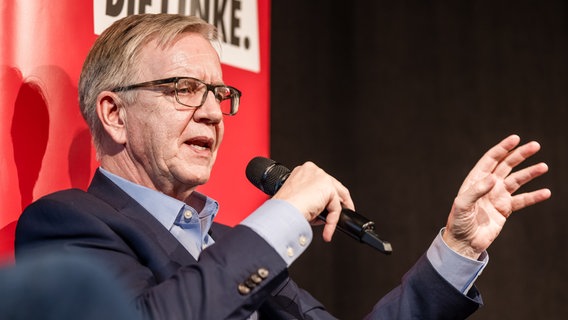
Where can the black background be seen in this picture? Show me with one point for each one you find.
(398, 100)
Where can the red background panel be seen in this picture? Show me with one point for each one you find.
(44, 142)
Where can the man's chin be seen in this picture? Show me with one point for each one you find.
(196, 178)
(194, 174)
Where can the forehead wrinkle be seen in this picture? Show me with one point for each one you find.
(176, 60)
(182, 59)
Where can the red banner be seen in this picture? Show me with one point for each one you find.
(45, 144)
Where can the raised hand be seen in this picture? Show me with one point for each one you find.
(485, 199)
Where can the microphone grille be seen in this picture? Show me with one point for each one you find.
(266, 174)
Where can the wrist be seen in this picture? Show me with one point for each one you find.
(461, 247)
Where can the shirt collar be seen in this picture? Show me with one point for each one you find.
(163, 207)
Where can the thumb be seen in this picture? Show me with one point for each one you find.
(468, 198)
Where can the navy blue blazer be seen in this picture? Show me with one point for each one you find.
(237, 275)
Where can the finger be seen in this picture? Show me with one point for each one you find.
(524, 200)
(467, 199)
(517, 179)
(334, 208)
(497, 153)
(334, 211)
(489, 161)
(515, 158)
(344, 195)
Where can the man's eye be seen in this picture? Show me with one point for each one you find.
(188, 90)
(169, 91)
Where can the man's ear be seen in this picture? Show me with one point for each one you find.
(110, 110)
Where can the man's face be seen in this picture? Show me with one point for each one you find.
(174, 147)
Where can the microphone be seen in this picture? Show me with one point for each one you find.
(269, 175)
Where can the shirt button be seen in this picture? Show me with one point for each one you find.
(187, 214)
(290, 252)
(303, 240)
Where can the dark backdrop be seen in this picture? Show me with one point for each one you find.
(398, 100)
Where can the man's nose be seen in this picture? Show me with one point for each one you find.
(210, 111)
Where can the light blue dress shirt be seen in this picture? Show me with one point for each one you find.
(184, 222)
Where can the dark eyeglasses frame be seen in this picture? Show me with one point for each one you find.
(235, 93)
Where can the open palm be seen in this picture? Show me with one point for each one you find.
(485, 199)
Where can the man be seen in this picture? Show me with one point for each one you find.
(152, 93)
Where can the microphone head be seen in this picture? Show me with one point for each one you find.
(266, 174)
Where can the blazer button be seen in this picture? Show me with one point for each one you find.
(243, 290)
(250, 283)
(262, 272)
(255, 278)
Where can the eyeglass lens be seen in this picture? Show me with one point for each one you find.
(193, 93)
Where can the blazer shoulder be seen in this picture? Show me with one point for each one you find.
(63, 201)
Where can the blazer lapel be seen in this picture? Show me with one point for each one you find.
(149, 226)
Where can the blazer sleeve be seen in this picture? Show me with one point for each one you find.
(424, 294)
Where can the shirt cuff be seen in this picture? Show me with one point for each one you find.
(459, 271)
(283, 227)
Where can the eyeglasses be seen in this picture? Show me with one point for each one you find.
(192, 92)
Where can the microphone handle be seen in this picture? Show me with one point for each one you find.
(360, 229)
(350, 222)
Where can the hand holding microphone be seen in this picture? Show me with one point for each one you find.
(311, 190)
(317, 195)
